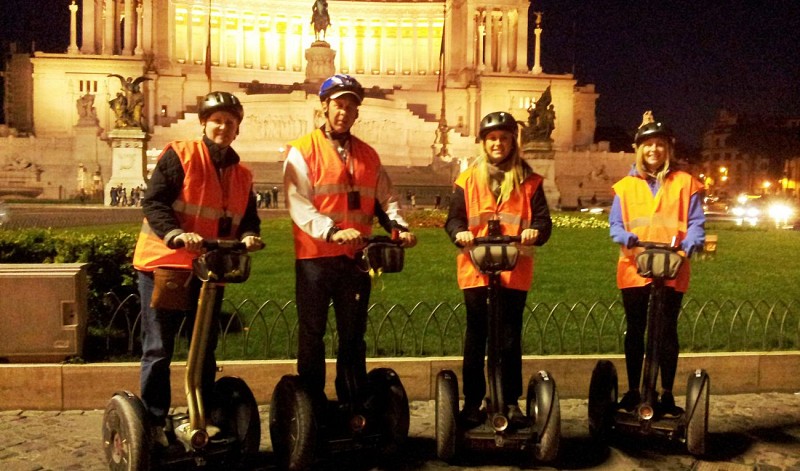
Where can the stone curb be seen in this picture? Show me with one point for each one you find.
(54, 386)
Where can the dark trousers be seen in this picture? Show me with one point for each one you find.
(636, 302)
(159, 329)
(475, 344)
(320, 281)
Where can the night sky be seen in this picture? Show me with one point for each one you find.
(683, 59)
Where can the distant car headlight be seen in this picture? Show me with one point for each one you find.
(738, 211)
(780, 211)
(752, 212)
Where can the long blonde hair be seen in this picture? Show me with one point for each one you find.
(515, 171)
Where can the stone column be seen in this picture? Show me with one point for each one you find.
(522, 40)
(108, 33)
(489, 51)
(139, 30)
(414, 42)
(73, 29)
(88, 20)
(505, 41)
(537, 67)
(481, 64)
(128, 39)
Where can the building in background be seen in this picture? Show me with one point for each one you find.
(432, 69)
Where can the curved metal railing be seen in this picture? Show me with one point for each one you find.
(268, 330)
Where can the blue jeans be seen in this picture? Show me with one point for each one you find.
(319, 281)
(159, 329)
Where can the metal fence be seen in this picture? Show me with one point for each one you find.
(268, 330)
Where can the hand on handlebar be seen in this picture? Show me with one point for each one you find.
(408, 239)
(528, 236)
(191, 241)
(465, 238)
(253, 243)
(348, 236)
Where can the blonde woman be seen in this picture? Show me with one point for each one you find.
(498, 186)
(654, 203)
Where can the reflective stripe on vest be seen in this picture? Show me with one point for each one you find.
(203, 200)
(654, 218)
(515, 214)
(331, 180)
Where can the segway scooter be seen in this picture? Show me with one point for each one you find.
(659, 262)
(306, 429)
(541, 434)
(126, 423)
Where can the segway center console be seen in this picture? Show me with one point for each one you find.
(126, 423)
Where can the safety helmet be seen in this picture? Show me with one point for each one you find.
(654, 129)
(498, 120)
(220, 101)
(341, 84)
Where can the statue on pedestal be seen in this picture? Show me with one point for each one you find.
(87, 114)
(320, 18)
(128, 103)
(541, 119)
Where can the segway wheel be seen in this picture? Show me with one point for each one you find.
(697, 395)
(446, 414)
(238, 414)
(603, 393)
(292, 424)
(126, 438)
(544, 407)
(396, 417)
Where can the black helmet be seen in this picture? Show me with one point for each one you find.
(341, 84)
(498, 120)
(654, 129)
(220, 101)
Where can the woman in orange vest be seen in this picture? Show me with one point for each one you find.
(654, 203)
(198, 190)
(499, 185)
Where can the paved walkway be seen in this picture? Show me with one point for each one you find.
(747, 432)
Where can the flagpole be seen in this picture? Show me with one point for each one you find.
(208, 49)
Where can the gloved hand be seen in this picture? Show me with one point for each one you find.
(633, 239)
(689, 247)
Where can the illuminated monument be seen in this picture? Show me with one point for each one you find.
(268, 53)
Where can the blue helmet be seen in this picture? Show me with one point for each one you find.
(341, 84)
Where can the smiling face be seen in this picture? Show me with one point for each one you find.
(498, 144)
(221, 127)
(341, 113)
(654, 153)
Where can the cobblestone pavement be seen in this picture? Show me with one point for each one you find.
(747, 432)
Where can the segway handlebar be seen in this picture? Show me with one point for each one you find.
(382, 239)
(501, 239)
(214, 244)
(658, 245)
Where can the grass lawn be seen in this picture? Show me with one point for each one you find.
(744, 298)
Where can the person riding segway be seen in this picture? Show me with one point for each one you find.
(198, 191)
(497, 201)
(662, 206)
(335, 188)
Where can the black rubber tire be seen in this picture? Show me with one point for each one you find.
(446, 415)
(697, 398)
(544, 408)
(126, 433)
(393, 402)
(603, 395)
(238, 414)
(292, 425)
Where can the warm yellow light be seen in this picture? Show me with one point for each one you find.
(766, 184)
(723, 170)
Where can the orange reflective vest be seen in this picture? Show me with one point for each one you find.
(515, 214)
(204, 199)
(654, 218)
(332, 179)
